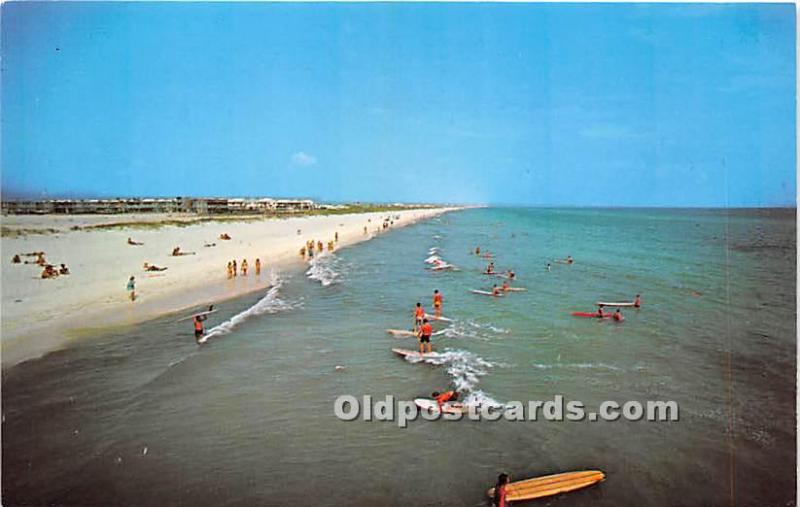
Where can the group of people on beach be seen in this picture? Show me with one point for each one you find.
(307, 250)
(234, 269)
(48, 270)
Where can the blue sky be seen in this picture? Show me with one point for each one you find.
(533, 104)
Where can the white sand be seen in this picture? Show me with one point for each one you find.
(40, 315)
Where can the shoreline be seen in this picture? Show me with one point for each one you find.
(44, 315)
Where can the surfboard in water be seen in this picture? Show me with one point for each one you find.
(623, 304)
(485, 293)
(450, 407)
(413, 353)
(441, 317)
(550, 485)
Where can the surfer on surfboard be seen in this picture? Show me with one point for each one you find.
(490, 269)
(442, 398)
(425, 332)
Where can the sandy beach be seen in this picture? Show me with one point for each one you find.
(40, 315)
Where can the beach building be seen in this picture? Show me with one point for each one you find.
(200, 206)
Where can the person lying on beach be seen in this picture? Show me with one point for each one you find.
(151, 267)
(134, 243)
(209, 245)
(618, 316)
(49, 272)
(16, 259)
(425, 332)
(224, 236)
(176, 252)
(64, 270)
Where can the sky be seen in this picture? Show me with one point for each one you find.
(508, 104)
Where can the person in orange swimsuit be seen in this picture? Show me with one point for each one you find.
(419, 315)
(425, 332)
(437, 302)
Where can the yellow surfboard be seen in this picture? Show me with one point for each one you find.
(550, 485)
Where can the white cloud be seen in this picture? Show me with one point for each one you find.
(303, 159)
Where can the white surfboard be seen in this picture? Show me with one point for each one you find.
(516, 289)
(413, 353)
(625, 304)
(485, 293)
(441, 318)
(208, 312)
(401, 332)
(451, 407)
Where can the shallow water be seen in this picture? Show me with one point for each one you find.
(141, 415)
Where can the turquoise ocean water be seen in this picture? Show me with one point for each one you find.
(143, 416)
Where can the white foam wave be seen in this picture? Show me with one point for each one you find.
(599, 366)
(473, 330)
(464, 367)
(322, 269)
(432, 259)
(270, 303)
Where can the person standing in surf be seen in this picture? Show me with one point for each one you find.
(132, 288)
(425, 332)
(500, 490)
(258, 266)
(419, 315)
(437, 303)
(199, 331)
(637, 303)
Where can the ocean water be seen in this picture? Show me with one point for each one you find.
(143, 416)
